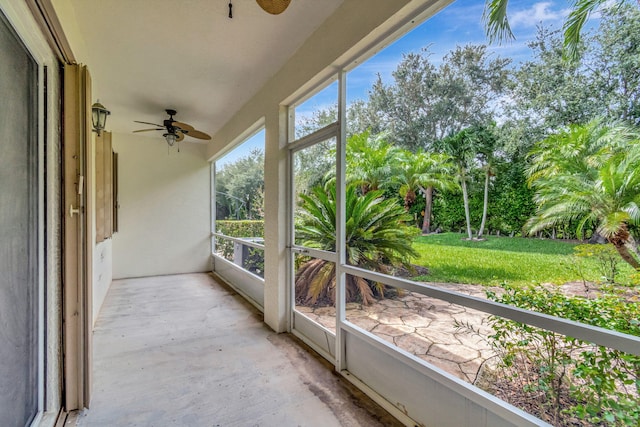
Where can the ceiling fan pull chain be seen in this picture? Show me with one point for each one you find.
(230, 10)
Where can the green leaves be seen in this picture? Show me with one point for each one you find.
(376, 238)
(588, 176)
(565, 377)
(498, 29)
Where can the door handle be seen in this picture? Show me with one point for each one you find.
(73, 211)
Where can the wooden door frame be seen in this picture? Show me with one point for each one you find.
(77, 248)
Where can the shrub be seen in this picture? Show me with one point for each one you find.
(377, 238)
(245, 228)
(561, 378)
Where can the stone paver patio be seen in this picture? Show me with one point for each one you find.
(425, 327)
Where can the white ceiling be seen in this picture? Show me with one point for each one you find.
(149, 55)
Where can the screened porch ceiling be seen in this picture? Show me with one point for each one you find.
(149, 55)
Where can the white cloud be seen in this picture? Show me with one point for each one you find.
(541, 12)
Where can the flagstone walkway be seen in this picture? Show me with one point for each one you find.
(426, 327)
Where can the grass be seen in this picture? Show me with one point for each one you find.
(516, 260)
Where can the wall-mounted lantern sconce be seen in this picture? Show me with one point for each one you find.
(99, 117)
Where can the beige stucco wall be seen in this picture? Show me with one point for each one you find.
(164, 217)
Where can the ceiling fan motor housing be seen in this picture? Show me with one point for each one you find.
(168, 123)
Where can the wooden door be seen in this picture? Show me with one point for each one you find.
(77, 237)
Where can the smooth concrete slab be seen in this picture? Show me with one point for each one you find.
(185, 350)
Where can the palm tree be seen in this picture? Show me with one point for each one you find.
(461, 147)
(371, 161)
(424, 172)
(376, 238)
(589, 175)
(498, 29)
(486, 146)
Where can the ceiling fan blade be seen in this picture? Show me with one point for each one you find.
(197, 134)
(147, 123)
(147, 130)
(179, 136)
(273, 7)
(183, 126)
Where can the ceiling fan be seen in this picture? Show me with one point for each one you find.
(274, 7)
(174, 131)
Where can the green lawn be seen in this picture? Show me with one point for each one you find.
(518, 261)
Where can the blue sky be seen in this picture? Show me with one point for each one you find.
(459, 23)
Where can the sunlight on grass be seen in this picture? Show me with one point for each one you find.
(518, 261)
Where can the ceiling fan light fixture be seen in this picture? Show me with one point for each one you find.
(171, 138)
(274, 7)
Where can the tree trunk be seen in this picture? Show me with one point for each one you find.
(627, 255)
(465, 199)
(426, 222)
(485, 203)
(624, 243)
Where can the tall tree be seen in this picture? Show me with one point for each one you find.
(486, 146)
(462, 149)
(426, 102)
(423, 172)
(616, 60)
(549, 93)
(240, 183)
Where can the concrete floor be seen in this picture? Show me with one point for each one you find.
(187, 351)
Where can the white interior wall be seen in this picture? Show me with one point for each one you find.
(164, 216)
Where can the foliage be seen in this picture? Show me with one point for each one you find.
(589, 175)
(498, 29)
(423, 173)
(462, 147)
(376, 239)
(372, 162)
(429, 100)
(224, 247)
(606, 258)
(562, 377)
(511, 199)
(314, 165)
(246, 228)
(306, 125)
(616, 60)
(238, 187)
(550, 93)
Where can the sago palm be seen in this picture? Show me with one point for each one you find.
(376, 239)
(589, 176)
